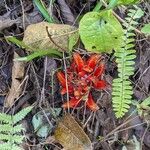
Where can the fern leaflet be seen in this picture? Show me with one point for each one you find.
(10, 132)
(122, 88)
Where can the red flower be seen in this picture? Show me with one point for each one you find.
(81, 77)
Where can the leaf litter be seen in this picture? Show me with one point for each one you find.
(89, 120)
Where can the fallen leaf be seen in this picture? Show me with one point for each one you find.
(71, 136)
(18, 71)
(41, 125)
(63, 37)
(132, 144)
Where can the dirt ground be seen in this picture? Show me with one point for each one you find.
(40, 87)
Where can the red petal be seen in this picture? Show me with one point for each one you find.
(72, 103)
(100, 84)
(82, 73)
(64, 90)
(79, 61)
(93, 61)
(61, 78)
(91, 104)
(87, 69)
(99, 70)
(77, 94)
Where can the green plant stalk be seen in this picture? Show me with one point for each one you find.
(112, 4)
(98, 6)
(44, 11)
(36, 52)
(19, 43)
(40, 53)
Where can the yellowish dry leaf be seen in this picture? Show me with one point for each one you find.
(71, 136)
(18, 71)
(63, 36)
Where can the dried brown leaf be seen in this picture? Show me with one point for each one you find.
(71, 136)
(36, 36)
(18, 71)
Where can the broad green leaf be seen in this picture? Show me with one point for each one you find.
(100, 32)
(146, 29)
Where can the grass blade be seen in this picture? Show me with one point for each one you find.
(43, 11)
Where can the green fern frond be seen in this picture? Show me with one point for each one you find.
(10, 131)
(122, 87)
(20, 115)
(5, 118)
(9, 146)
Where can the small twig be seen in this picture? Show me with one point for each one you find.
(65, 69)
(50, 37)
(23, 14)
(142, 138)
(115, 130)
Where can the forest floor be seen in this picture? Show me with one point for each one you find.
(36, 83)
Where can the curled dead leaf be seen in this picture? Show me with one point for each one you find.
(18, 71)
(71, 136)
(63, 37)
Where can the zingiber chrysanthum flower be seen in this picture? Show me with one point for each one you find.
(82, 76)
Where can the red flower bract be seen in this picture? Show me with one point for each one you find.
(82, 76)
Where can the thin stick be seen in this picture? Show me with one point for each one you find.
(50, 37)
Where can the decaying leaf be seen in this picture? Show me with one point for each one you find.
(40, 124)
(62, 36)
(71, 136)
(18, 71)
(132, 144)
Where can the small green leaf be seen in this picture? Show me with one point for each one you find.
(146, 102)
(100, 32)
(146, 29)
